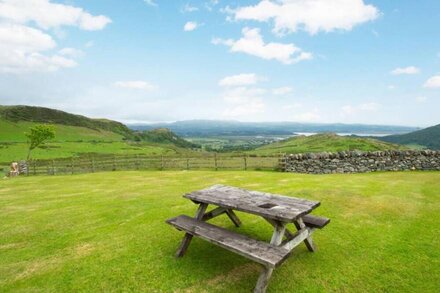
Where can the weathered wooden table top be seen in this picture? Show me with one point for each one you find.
(272, 206)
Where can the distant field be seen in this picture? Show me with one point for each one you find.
(105, 232)
(230, 143)
(323, 143)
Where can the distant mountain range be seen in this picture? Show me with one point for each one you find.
(208, 128)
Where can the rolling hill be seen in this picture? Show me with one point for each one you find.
(428, 137)
(78, 135)
(326, 142)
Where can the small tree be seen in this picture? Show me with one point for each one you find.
(37, 135)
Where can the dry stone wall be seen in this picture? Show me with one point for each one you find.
(360, 162)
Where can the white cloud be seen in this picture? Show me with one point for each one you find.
(366, 107)
(71, 52)
(405, 70)
(292, 106)
(421, 99)
(433, 82)
(190, 26)
(310, 116)
(252, 43)
(240, 79)
(21, 49)
(282, 90)
(243, 101)
(24, 48)
(189, 8)
(310, 15)
(150, 2)
(391, 87)
(136, 85)
(48, 15)
(209, 5)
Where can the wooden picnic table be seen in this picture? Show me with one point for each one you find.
(278, 210)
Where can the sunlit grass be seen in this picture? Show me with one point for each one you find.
(106, 232)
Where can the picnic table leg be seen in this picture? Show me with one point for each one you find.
(299, 224)
(277, 238)
(188, 237)
(233, 218)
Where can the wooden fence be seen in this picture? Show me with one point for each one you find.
(90, 164)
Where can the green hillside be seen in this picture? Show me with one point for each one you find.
(78, 135)
(52, 116)
(14, 132)
(326, 142)
(165, 136)
(428, 137)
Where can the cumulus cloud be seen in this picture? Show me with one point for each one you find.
(240, 79)
(433, 82)
(135, 85)
(25, 42)
(405, 70)
(48, 15)
(21, 49)
(312, 16)
(282, 91)
(252, 43)
(190, 26)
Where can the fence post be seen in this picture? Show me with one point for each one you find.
(35, 167)
(187, 163)
(72, 166)
(245, 162)
(161, 163)
(114, 162)
(93, 164)
(136, 163)
(53, 167)
(215, 161)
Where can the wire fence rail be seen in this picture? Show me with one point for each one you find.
(98, 163)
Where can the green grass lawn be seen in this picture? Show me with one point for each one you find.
(106, 232)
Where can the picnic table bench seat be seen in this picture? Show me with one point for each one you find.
(258, 251)
(315, 221)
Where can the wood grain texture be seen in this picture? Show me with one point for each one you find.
(258, 251)
(315, 221)
(188, 237)
(272, 206)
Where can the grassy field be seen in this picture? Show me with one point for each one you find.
(106, 232)
(18, 151)
(326, 142)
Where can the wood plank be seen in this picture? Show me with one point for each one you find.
(273, 206)
(213, 213)
(233, 218)
(188, 237)
(315, 221)
(258, 251)
(299, 223)
(277, 238)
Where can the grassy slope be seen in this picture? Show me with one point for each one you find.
(14, 132)
(323, 143)
(428, 137)
(106, 232)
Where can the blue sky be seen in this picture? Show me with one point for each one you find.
(349, 61)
